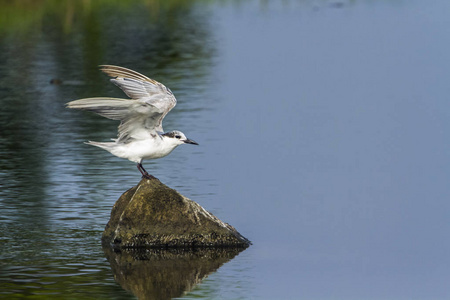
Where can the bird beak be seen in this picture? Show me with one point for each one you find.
(188, 141)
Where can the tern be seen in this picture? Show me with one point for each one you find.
(140, 134)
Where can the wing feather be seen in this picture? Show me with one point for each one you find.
(142, 114)
(111, 108)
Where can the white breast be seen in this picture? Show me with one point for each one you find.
(137, 151)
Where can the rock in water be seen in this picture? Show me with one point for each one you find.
(152, 215)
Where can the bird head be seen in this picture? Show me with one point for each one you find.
(178, 138)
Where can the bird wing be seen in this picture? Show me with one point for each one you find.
(142, 114)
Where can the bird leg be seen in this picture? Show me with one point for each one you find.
(144, 172)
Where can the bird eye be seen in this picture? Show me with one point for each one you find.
(178, 136)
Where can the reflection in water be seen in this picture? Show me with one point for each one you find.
(165, 274)
(56, 193)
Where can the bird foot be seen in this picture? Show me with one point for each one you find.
(144, 172)
(148, 176)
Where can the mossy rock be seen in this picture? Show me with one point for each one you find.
(152, 215)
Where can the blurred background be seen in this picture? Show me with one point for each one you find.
(323, 128)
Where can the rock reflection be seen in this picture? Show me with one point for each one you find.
(165, 273)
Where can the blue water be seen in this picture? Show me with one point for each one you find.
(323, 131)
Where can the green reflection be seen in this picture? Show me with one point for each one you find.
(21, 16)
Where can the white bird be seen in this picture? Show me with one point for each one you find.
(141, 135)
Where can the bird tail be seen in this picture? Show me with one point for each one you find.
(108, 146)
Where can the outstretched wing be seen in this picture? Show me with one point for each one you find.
(142, 114)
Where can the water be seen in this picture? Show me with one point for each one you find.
(323, 131)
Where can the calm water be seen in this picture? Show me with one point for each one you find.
(324, 139)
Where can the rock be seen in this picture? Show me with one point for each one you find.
(152, 215)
